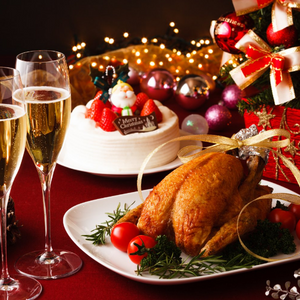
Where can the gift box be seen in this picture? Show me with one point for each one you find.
(279, 117)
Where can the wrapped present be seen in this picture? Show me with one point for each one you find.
(274, 117)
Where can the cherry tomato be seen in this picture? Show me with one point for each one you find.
(298, 229)
(122, 234)
(148, 241)
(295, 209)
(285, 217)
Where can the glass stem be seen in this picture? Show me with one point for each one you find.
(46, 179)
(5, 278)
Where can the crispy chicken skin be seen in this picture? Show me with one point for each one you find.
(198, 203)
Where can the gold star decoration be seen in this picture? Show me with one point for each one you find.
(264, 118)
(291, 148)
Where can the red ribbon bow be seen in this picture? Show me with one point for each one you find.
(259, 59)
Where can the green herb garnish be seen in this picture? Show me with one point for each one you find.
(101, 231)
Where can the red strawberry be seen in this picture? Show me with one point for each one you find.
(141, 99)
(150, 107)
(97, 97)
(95, 111)
(106, 121)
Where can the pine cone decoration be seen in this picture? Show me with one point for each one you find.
(13, 231)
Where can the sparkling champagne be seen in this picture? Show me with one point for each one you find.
(12, 143)
(48, 116)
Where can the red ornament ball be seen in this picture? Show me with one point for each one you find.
(287, 36)
(218, 117)
(229, 29)
(192, 91)
(158, 84)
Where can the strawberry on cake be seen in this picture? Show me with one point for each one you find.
(94, 141)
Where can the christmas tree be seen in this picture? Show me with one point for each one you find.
(279, 41)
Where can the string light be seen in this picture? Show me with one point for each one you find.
(191, 52)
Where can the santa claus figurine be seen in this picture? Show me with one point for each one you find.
(122, 99)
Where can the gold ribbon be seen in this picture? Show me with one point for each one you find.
(282, 92)
(222, 144)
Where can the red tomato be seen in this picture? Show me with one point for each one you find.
(122, 234)
(295, 209)
(148, 241)
(285, 217)
(298, 229)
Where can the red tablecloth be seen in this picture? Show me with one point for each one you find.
(94, 281)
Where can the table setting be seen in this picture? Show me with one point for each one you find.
(236, 138)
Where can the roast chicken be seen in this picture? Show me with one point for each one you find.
(197, 205)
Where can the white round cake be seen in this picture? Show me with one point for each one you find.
(113, 152)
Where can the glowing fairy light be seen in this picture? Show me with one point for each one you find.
(191, 54)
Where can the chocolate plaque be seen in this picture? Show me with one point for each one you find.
(132, 124)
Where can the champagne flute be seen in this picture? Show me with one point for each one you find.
(12, 146)
(47, 94)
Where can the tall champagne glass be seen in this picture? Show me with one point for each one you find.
(12, 146)
(47, 94)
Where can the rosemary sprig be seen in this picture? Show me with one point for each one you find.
(101, 231)
(168, 268)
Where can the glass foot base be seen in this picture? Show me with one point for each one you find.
(21, 287)
(40, 265)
